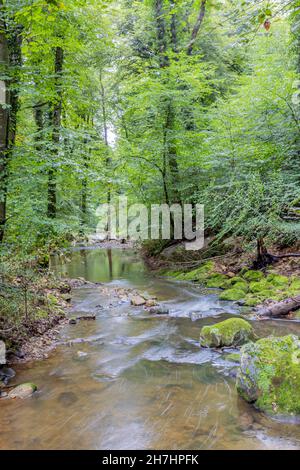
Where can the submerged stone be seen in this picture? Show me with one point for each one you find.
(231, 332)
(23, 391)
(269, 374)
(137, 301)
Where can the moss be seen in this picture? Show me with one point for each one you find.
(233, 357)
(276, 280)
(233, 294)
(295, 285)
(252, 300)
(52, 299)
(269, 374)
(231, 332)
(253, 275)
(234, 280)
(258, 286)
(198, 274)
(216, 280)
(241, 285)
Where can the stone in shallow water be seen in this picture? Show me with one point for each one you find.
(23, 391)
(137, 301)
(231, 332)
(160, 310)
(269, 374)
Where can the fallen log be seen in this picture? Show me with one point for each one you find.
(280, 308)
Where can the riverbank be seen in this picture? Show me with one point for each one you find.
(234, 273)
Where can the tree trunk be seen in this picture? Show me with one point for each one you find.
(161, 33)
(4, 126)
(197, 27)
(56, 122)
(11, 59)
(264, 258)
(281, 308)
(108, 158)
(171, 152)
(84, 185)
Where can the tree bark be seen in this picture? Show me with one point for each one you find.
(281, 308)
(4, 126)
(56, 122)
(161, 33)
(197, 27)
(11, 59)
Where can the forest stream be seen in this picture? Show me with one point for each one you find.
(139, 380)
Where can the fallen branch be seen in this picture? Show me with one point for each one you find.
(281, 308)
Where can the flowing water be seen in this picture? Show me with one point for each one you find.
(138, 381)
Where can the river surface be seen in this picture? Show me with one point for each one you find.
(138, 381)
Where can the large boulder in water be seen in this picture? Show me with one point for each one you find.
(23, 391)
(269, 374)
(231, 332)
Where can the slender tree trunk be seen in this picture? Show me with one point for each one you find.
(161, 33)
(105, 136)
(174, 29)
(84, 186)
(4, 126)
(172, 152)
(169, 144)
(56, 122)
(197, 27)
(11, 60)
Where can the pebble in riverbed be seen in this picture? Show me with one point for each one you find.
(22, 391)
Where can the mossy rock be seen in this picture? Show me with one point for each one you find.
(52, 299)
(23, 391)
(241, 285)
(295, 285)
(276, 280)
(269, 374)
(252, 300)
(231, 332)
(253, 275)
(216, 280)
(259, 286)
(233, 294)
(231, 282)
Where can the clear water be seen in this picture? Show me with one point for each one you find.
(138, 381)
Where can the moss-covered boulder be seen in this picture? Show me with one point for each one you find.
(216, 280)
(252, 275)
(295, 285)
(232, 294)
(276, 280)
(269, 374)
(231, 332)
(258, 286)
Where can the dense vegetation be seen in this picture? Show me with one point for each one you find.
(161, 100)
